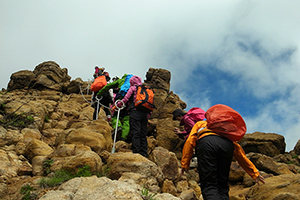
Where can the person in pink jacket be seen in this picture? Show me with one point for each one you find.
(138, 119)
(187, 120)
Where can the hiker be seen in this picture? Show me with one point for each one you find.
(123, 123)
(188, 120)
(214, 154)
(104, 99)
(138, 119)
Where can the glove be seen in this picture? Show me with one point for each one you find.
(120, 104)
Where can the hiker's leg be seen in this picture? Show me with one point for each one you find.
(225, 157)
(114, 122)
(135, 127)
(125, 127)
(207, 156)
(105, 101)
(96, 110)
(143, 134)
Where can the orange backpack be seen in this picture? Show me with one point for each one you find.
(144, 98)
(98, 83)
(226, 122)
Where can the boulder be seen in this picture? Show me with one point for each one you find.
(120, 163)
(71, 157)
(100, 188)
(37, 148)
(267, 164)
(167, 162)
(20, 79)
(270, 144)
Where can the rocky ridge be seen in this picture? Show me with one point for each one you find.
(62, 130)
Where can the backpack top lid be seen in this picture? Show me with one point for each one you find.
(225, 121)
(197, 114)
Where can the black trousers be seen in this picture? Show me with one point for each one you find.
(214, 156)
(138, 131)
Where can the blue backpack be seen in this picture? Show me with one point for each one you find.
(126, 85)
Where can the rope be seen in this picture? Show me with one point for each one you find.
(98, 101)
(83, 94)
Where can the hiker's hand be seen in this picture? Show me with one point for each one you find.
(120, 104)
(260, 179)
(177, 130)
(182, 171)
(114, 108)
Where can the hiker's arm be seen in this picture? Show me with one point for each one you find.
(244, 162)
(188, 149)
(107, 87)
(128, 94)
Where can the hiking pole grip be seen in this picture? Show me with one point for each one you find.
(116, 129)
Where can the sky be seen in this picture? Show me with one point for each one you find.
(241, 53)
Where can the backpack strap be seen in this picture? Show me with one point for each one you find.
(204, 130)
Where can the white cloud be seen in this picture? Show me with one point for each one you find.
(257, 41)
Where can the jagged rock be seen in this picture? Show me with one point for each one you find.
(284, 186)
(167, 161)
(270, 144)
(71, 157)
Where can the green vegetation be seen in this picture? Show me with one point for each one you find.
(46, 165)
(62, 176)
(17, 120)
(295, 156)
(28, 195)
(14, 119)
(146, 195)
(104, 173)
(84, 172)
(59, 177)
(290, 162)
(47, 118)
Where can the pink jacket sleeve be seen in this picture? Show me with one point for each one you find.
(131, 91)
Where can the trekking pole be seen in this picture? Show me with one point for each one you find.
(116, 129)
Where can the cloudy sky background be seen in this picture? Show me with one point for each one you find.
(244, 54)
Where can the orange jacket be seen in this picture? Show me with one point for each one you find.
(238, 153)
